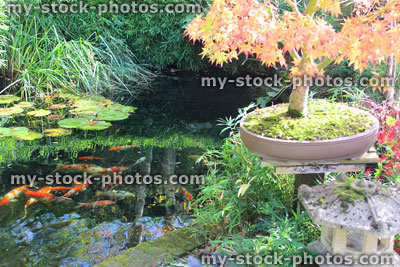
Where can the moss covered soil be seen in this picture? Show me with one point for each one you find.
(325, 121)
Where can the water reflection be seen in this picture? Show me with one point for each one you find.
(169, 132)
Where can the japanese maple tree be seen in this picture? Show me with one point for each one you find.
(369, 34)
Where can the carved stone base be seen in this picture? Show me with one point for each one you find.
(319, 248)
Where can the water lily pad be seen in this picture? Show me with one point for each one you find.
(122, 108)
(18, 131)
(55, 117)
(56, 132)
(39, 113)
(69, 96)
(10, 111)
(8, 99)
(58, 106)
(24, 104)
(95, 125)
(87, 110)
(85, 103)
(112, 115)
(5, 132)
(72, 123)
(29, 136)
(99, 99)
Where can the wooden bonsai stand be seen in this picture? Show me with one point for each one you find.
(313, 173)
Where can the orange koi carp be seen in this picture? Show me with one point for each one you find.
(12, 195)
(78, 188)
(30, 202)
(187, 194)
(39, 195)
(90, 158)
(113, 169)
(121, 148)
(88, 168)
(103, 203)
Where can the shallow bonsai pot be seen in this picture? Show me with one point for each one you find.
(349, 147)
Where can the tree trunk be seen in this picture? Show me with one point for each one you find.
(298, 101)
(391, 65)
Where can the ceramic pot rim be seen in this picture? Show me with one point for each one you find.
(317, 142)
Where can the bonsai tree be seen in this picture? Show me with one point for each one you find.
(300, 37)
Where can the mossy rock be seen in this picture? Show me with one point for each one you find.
(325, 121)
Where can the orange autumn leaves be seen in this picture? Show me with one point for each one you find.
(231, 27)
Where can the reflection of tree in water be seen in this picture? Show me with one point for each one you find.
(145, 169)
(168, 169)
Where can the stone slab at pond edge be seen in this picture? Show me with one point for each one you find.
(153, 253)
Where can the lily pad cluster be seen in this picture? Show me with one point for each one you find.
(67, 110)
(20, 133)
(94, 113)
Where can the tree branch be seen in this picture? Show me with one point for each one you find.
(292, 5)
(311, 7)
(322, 65)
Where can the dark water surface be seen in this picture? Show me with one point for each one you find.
(172, 127)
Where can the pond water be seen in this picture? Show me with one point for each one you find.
(173, 125)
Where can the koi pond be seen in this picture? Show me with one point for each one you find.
(162, 133)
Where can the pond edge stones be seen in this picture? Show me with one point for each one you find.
(357, 217)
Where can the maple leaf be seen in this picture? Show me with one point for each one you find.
(251, 27)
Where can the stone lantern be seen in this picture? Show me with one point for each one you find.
(357, 218)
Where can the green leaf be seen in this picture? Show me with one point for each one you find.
(111, 115)
(122, 108)
(95, 125)
(8, 99)
(39, 113)
(24, 104)
(18, 131)
(242, 189)
(73, 123)
(56, 132)
(390, 121)
(10, 111)
(5, 132)
(29, 136)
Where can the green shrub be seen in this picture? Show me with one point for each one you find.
(155, 38)
(39, 60)
(246, 208)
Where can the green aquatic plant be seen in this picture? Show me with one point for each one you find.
(111, 115)
(95, 125)
(55, 117)
(57, 132)
(8, 99)
(20, 133)
(29, 136)
(33, 43)
(10, 111)
(58, 106)
(39, 113)
(24, 104)
(92, 114)
(71, 123)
